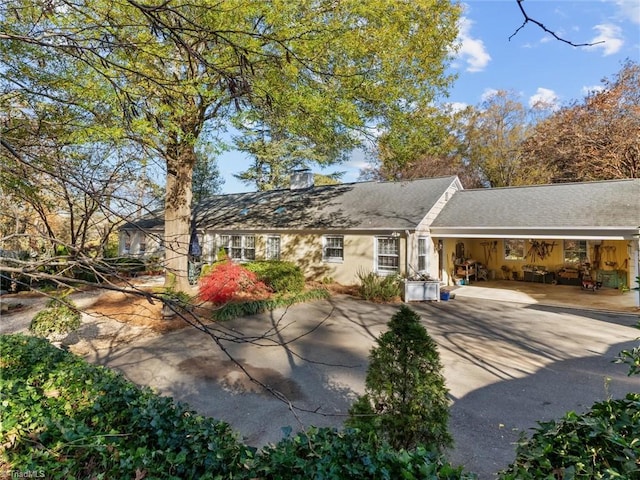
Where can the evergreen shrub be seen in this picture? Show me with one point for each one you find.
(279, 276)
(405, 401)
(59, 318)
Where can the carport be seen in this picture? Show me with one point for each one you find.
(549, 234)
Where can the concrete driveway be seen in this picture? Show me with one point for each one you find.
(507, 365)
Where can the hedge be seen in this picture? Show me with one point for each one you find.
(64, 418)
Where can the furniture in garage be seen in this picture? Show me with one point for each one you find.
(612, 278)
(537, 274)
(569, 276)
(467, 270)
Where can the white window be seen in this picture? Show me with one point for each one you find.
(273, 248)
(423, 263)
(239, 247)
(333, 248)
(127, 243)
(575, 252)
(387, 255)
(514, 249)
(209, 250)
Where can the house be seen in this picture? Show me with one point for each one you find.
(331, 231)
(547, 233)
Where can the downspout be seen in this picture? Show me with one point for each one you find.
(406, 254)
(637, 279)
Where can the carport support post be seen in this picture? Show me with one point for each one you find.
(637, 278)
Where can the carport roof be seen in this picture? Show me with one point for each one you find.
(605, 209)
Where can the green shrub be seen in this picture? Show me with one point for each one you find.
(376, 288)
(405, 401)
(331, 454)
(69, 419)
(280, 277)
(59, 317)
(603, 443)
(206, 270)
(242, 309)
(154, 264)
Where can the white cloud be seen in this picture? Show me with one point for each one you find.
(457, 106)
(588, 90)
(544, 99)
(488, 94)
(611, 37)
(629, 10)
(472, 50)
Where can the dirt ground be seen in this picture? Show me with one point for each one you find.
(134, 310)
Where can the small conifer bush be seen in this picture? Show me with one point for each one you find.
(405, 400)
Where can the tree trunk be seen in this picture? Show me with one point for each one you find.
(177, 216)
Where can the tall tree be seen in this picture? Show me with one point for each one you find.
(597, 138)
(179, 69)
(277, 148)
(493, 133)
(433, 148)
(66, 189)
(206, 177)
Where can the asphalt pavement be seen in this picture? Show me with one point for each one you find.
(507, 365)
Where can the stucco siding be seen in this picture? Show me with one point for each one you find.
(140, 243)
(306, 251)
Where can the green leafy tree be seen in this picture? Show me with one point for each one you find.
(405, 400)
(434, 147)
(277, 150)
(58, 188)
(174, 73)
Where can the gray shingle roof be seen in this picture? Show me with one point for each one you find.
(597, 205)
(359, 206)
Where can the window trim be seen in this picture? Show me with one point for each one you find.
(424, 255)
(377, 255)
(325, 247)
(582, 253)
(267, 250)
(228, 246)
(126, 243)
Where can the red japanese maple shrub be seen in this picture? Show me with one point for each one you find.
(228, 281)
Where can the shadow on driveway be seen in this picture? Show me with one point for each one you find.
(507, 366)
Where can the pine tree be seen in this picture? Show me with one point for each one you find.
(405, 400)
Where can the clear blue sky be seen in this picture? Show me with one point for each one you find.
(532, 64)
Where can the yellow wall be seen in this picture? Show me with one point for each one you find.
(491, 253)
(305, 250)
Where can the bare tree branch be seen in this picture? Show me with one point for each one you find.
(528, 19)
